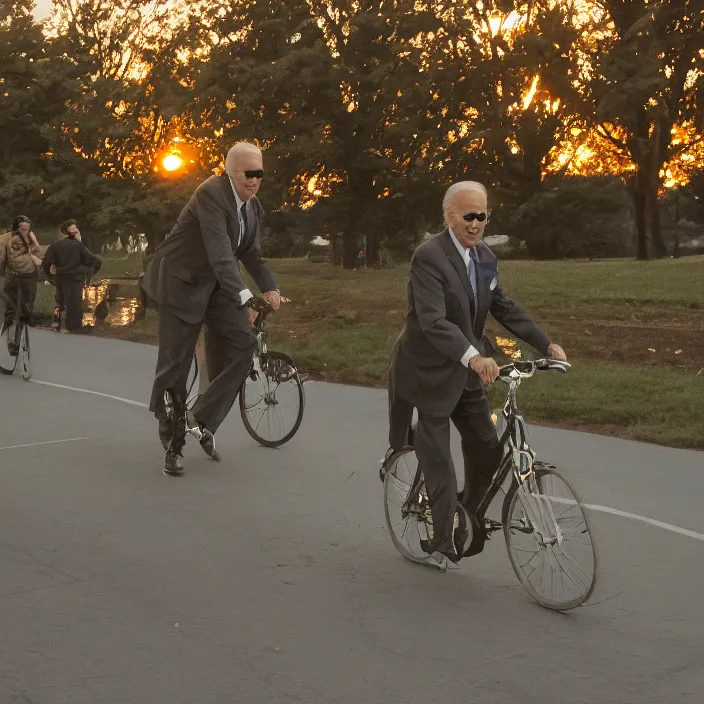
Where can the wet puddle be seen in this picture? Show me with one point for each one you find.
(112, 303)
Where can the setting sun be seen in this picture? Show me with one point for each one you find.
(172, 162)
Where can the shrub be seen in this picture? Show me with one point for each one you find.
(575, 217)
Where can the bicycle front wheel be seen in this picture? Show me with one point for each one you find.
(24, 355)
(8, 348)
(272, 399)
(549, 540)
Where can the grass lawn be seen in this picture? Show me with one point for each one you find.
(634, 332)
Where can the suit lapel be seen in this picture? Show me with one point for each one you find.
(456, 260)
(233, 217)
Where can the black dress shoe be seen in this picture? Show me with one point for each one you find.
(172, 464)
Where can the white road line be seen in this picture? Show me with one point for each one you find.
(46, 442)
(94, 393)
(625, 514)
(645, 519)
(592, 507)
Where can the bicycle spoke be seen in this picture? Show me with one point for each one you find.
(525, 564)
(260, 420)
(573, 563)
(568, 575)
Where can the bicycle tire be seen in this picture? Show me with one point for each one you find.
(268, 361)
(5, 368)
(24, 354)
(512, 498)
(414, 553)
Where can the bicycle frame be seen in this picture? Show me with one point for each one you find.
(260, 333)
(518, 457)
(264, 310)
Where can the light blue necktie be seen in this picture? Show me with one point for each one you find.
(472, 270)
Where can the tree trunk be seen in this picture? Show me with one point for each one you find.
(639, 203)
(152, 236)
(655, 225)
(349, 250)
(372, 249)
(335, 255)
(676, 236)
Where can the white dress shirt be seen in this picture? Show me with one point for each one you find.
(464, 253)
(245, 294)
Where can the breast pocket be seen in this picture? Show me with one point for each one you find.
(182, 275)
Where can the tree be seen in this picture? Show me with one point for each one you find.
(23, 110)
(327, 88)
(121, 114)
(649, 81)
(574, 217)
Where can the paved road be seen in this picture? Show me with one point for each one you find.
(269, 578)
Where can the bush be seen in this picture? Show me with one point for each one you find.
(575, 217)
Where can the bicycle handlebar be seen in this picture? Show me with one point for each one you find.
(525, 370)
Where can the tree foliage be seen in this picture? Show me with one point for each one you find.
(366, 109)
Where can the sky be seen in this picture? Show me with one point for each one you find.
(43, 9)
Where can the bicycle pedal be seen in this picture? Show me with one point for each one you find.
(492, 525)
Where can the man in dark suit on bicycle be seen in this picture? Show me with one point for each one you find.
(440, 360)
(194, 278)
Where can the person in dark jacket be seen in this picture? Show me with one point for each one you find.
(66, 263)
(195, 280)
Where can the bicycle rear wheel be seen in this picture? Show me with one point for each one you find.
(549, 540)
(406, 506)
(272, 399)
(24, 354)
(8, 361)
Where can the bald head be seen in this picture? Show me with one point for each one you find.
(241, 162)
(462, 187)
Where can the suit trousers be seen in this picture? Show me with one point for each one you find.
(69, 297)
(481, 451)
(28, 287)
(229, 345)
(400, 418)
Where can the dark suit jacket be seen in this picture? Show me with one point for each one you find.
(201, 253)
(444, 318)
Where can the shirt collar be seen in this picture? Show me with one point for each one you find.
(240, 202)
(464, 251)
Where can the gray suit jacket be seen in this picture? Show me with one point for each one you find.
(201, 253)
(444, 318)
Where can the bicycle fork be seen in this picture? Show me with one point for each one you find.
(537, 506)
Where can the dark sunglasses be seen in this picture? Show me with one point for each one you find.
(470, 217)
(257, 173)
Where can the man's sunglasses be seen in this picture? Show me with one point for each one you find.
(257, 173)
(470, 217)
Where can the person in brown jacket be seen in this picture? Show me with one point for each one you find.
(19, 260)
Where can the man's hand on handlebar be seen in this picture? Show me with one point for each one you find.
(252, 314)
(273, 299)
(485, 367)
(556, 352)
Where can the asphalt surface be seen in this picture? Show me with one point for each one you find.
(270, 577)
